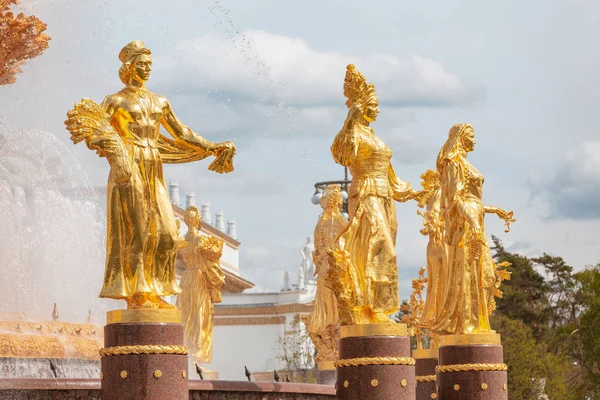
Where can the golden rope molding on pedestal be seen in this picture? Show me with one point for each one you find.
(143, 349)
(357, 362)
(425, 378)
(470, 367)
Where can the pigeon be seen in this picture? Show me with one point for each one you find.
(287, 378)
(275, 375)
(248, 373)
(53, 369)
(199, 371)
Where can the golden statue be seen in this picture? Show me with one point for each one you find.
(323, 323)
(363, 273)
(201, 283)
(142, 237)
(472, 278)
(433, 227)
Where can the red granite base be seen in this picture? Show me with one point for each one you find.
(425, 377)
(144, 376)
(375, 382)
(89, 389)
(472, 384)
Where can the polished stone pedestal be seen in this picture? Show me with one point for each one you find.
(425, 362)
(375, 363)
(143, 356)
(471, 367)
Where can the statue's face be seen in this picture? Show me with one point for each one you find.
(469, 140)
(371, 112)
(142, 67)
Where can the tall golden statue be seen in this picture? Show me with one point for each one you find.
(472, 278)
(201, 283)
(323, 323)
(363, 273)
(430, 197)
(142, 235)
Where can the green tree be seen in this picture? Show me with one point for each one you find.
(532, 370)
(588, 327)
(525, 294)
(561, 309)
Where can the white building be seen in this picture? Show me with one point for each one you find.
(250, 328)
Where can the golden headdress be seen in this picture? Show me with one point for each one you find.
(127, 55)
(132, 50)
(357, 90)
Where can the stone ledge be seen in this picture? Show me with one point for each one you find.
(49, 384)
(67, 388)
(246, 386)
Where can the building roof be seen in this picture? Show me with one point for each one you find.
(235, 284)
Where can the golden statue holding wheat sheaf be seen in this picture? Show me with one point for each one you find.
(142, 237)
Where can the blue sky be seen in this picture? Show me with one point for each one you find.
(268, 75)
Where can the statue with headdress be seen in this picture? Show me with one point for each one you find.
(363, 270)
(471, 278)
(201, 283)
(142, 237)
(323, 322)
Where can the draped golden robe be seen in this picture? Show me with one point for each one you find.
(467, 289)
(201, 283)
(323, 323)
(436, 258)
(369, 241)
(142, 235)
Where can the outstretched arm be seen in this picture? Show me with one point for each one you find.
(403, 191)
(507, 216)
(182, 133)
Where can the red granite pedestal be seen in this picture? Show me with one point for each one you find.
(425, 362)
(144, 357)
(375, 363)
(471, 367)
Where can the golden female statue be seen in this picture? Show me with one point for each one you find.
(323, 324)
(430, 198)
(364, 274)
(142, 235)
(472, 277)
(201, 283)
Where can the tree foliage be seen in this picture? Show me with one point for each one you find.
(549, 319)
(21, 39)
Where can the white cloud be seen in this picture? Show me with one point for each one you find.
(274, 68)
(265, 265)
(572, 190)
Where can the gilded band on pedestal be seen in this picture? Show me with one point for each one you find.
(323, 323)
(471, 277)
(363, 273)
(201, 284)
(142, 237)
